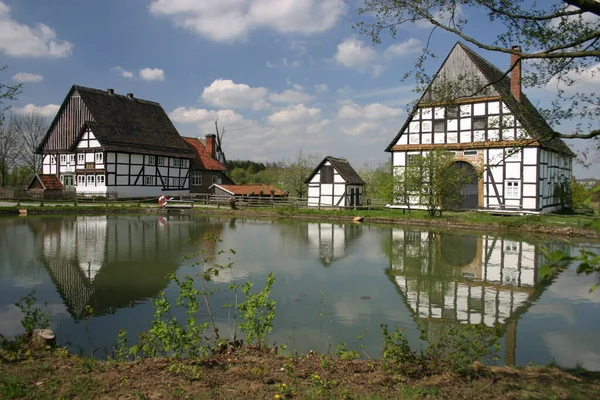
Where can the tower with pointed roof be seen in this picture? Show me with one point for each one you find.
(479, 113)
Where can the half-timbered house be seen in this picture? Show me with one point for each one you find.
(479, 113)
(334, 183)
(206, 170)
(103, 143)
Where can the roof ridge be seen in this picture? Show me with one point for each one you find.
(104, 92)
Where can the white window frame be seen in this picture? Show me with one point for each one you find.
(148, 180)
(72, 158)
(81, 180)
(100, 180)
(196, 178)
(90, 180)
(63, 159)
(185, 163)
(513, 154)
(161, 161)
(80, 158)
(99, 158)
(512, 189)
(175, 162)
(151, 160)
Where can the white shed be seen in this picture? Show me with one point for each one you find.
(334, 183)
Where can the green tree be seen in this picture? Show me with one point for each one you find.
(379, 182)
(295, 171)
(432, 181)
(560, 42)
(579, 193)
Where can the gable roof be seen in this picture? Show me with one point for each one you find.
(481, 72)
(202, 161)
(124, 123)
(343, 167)
(246, 190)
(47, 181)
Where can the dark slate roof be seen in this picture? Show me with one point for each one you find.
(131, 124)
(343, 167)
(47, 181)
(524, 110)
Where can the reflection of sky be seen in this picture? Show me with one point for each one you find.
(317, 306)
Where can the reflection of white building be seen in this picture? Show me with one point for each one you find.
(330, 241)
(475, 279)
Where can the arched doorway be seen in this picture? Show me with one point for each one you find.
(466, 187)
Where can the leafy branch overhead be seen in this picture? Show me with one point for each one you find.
(558, 40)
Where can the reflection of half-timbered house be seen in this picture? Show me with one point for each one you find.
(465, 279)
(474, 110)
(330, 242)
(110, 263)
(334, 183)
(104, 143)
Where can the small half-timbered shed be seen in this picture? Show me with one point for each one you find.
(46, 186)
(334, 183)
(479, 113)
(206, 169)
(103, 143)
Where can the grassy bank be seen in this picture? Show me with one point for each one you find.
(252, 374)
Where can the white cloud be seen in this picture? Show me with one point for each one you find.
(409, 46)
(124, 73)
(269, 64)
(233, 20)
(19, 40)
(354, 53)
(26, 77)
(294, 114)
(374, 111)
(152, 74)
(291, 97)
(585, 80)
(321, 88)
(228, 94)
(199, 115)
(45, 111)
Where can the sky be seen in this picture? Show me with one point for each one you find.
(281, 76)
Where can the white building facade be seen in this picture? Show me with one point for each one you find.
(334, 183)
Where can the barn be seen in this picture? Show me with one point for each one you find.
(334, 183)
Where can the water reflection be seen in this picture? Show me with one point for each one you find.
(449, 278)
(109, 262)
(330, 241)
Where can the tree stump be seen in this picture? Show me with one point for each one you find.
(42, 338)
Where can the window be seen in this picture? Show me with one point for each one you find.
(411, 158)
(62, 179)
(151, 160)
(479, 123)
(439, 126)
(452, 112)
(512, 154)
(175, 182)
(176, 162)
(99, 180)
(161, 161)
(63, 159)
(72, 158)
(470, 152)
(90, 165)
(80, 180)
(52, 160)
(80, 158)
(327, 174)
(185, 163)
(99, 158)
(512, 190)
(149, 180)
(197, 178)
(91, 180)
(214, 179)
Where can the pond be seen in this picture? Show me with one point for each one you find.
(335, 282)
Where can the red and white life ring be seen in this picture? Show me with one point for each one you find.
(162, 200)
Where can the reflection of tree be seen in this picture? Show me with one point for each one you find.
(110, 262)
(447, 278)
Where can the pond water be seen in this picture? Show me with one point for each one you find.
(334, 281)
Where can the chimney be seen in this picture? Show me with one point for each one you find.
(515, 74)
(110, 91)
(211, 145)
(130, 96)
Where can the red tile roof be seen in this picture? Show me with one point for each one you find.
(247, 189)
(203, 160)
(48, 181)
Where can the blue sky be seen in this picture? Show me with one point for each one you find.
(281, 75)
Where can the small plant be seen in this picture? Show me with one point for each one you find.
(345, 353)
(35, 317)
(258, 312)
